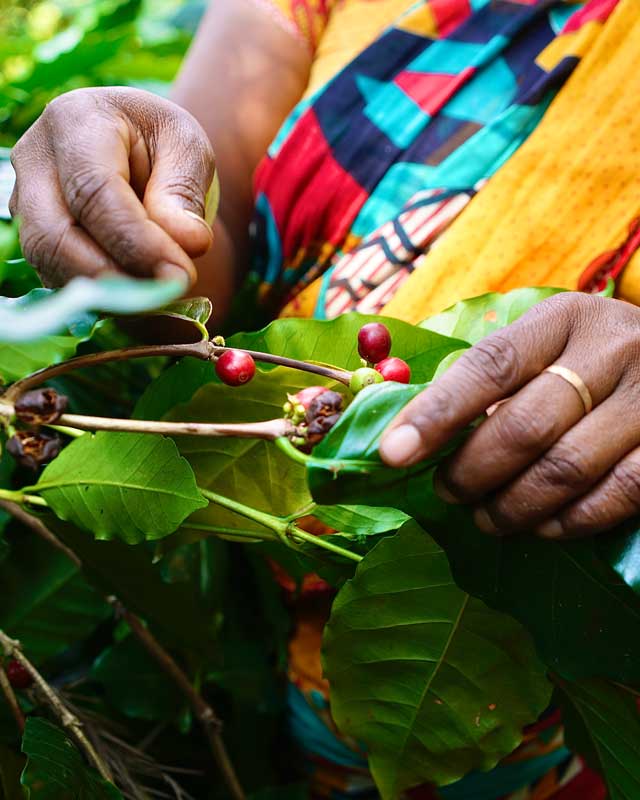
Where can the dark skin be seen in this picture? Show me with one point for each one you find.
(115, 180)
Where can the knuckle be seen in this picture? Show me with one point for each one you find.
(626, 475)
(84, 190)
(495, 359)
(189, 189)
(41, 246)
(565, 467)
(13, 203)
(520, 429)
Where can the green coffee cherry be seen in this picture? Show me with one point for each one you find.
(362, 377)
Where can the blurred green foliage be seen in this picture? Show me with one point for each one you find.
(53, 46)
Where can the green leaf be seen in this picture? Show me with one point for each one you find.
(584, 618)
(175, 385)
(55, 769)
(134, 683)
(336, 342)
(184, 320)
(31, 317)
(433, 682)
(131, 486)
(250, 470)
(18, 359)
(472, 320)
(602, 724)
(174, 611)
(360, 519)
(46, 603)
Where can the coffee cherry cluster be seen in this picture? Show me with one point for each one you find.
(314, 411)
(374, 346)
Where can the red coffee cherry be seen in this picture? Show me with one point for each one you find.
(394, 369)
(374, 342)
(235, 367)
(19, 677)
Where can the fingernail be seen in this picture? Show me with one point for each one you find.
(443, 493)
(199, 219)
(171, 272)
(400, 445)
(484, 522)
(552, 529)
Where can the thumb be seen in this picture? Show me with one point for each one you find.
(182, 176)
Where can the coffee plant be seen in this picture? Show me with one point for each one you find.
(153, 492)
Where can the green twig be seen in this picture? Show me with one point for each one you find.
(21, 498)
(291, 450)
(321, 541)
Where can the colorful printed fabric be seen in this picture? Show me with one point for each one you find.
(357, 188)
(411, 113)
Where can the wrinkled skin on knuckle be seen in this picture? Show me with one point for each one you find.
(564, 467)
(626, 475)
(85, 190)
(42, 247)
(494, 359)
(521, 429)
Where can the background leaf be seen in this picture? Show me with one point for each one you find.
(55, 769)
(602, 723)
(131, 486)
(365, 520)
(46, 603)
(432, 681)
(472, 320)
(29, 318)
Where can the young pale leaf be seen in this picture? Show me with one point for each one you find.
(472, 320)
(583, 617)
(602, 724)
(130, 486)
(56, 770)
(433, 682)
(26, 320)
(183, 320)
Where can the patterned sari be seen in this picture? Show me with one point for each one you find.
(376, 162)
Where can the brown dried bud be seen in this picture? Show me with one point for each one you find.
(319, 427)
(40, 407)
(326, 404)
(32, 449)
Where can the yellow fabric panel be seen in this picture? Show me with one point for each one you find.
(567, 195)
(353, 25)
(576, 43)
(421, 21)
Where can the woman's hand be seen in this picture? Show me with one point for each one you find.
(538, 462)
(113, 180)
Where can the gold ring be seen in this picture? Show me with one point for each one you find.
(576, 381)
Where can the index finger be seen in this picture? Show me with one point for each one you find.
(490, 371)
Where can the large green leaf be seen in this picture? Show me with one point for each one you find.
(603, 725)
(55, 769)
(134, 683)
(431, 680)
(175, 385)
(131, 486)
(250, 470)
(46, 603)
(472, 320)
(34, 316)
(584, 618)
(336, 342)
